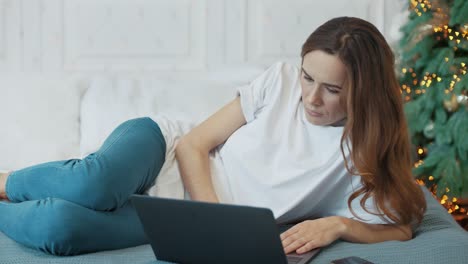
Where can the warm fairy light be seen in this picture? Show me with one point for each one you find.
(451, 37)
(439, 79)
(428, 83)
(420, 182)
(416, 5)
(420, 151)
(403, 70)
(449, 203)
(446, 59)
(418, 163)
(462, 64)
(458, 41)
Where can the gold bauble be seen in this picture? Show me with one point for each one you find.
(452, 104)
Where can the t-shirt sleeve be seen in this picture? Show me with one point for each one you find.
(255, 96)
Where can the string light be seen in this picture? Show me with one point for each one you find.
(418, 163)
(450, 203)
(420, 6)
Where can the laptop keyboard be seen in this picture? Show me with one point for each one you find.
(293, 259)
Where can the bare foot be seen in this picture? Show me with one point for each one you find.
(3, 179)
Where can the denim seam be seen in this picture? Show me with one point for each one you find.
(116, 139)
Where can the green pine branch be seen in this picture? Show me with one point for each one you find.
(432, 63)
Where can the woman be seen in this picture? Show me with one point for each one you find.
(324, 146)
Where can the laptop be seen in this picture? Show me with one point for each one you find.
(184, 231)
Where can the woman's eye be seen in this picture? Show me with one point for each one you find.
(308, 78)
(332, 90)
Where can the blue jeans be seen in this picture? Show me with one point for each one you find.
(82, 205)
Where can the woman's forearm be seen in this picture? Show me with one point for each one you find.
(194, 169)
(359, 232)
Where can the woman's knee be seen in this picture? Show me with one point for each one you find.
(121, 167)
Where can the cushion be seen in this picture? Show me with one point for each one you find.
(110, 100)
(40, 119)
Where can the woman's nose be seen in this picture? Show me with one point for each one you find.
(314, 97)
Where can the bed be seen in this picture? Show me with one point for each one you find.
(439, 239)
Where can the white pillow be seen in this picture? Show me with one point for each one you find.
(39, 119)
(111, 100)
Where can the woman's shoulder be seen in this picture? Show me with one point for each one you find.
(280, 74)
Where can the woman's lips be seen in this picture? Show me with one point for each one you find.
(312, 113)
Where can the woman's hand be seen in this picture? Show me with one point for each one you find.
(311, 234)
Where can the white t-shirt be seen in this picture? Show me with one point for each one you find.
(279, 160)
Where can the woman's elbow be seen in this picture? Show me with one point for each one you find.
(406, 233)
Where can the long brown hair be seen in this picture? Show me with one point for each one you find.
(376, 126)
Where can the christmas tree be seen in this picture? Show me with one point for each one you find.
(432, 70)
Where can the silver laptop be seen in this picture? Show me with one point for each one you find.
(196, 232)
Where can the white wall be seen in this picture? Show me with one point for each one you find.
(93, 36)
(51, 49)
